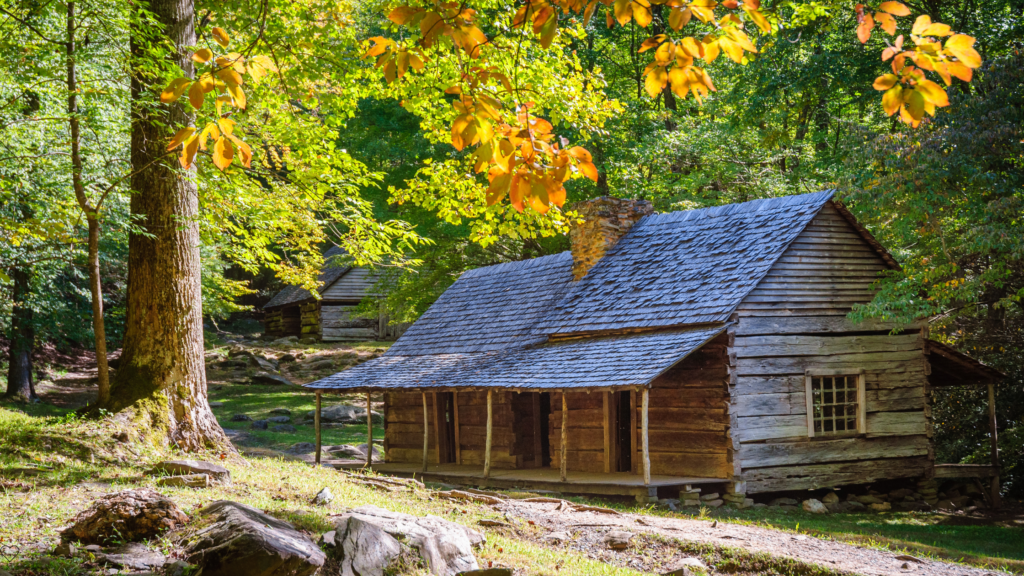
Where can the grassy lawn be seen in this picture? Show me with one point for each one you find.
(258, 401)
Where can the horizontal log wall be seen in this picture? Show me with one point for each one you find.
(337, 324)
(283, 322)
(404, 428)
(795, 320)
(352, 285)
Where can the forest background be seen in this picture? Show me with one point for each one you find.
(341, 156)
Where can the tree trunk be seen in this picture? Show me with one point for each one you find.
(19, 370)
(91, 212)
(161, 380)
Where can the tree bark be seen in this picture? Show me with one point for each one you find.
(91, 212)
(161, 382)
(19, 370)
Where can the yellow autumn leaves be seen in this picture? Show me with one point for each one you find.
(224, 80)
(907, 90)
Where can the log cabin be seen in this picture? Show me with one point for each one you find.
(295, 311)
(668, 351)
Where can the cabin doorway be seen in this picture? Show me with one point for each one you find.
(444, 426)
(530, 445)
(623, 434)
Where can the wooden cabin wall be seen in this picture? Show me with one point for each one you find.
(585, 427)
(688, 429)
(353, 285)
(403, 431)
(794, 320)
(337, 324)
(282, 322)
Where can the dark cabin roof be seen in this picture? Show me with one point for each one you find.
(679, 276)
(953, 368)
(329, 274)
(684, 267)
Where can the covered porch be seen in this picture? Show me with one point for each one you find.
(951, 368)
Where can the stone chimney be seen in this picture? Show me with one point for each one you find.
(605, 220)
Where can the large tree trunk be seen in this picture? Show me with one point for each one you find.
(19, 370)
(161, 378)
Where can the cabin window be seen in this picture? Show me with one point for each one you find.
(835, 404)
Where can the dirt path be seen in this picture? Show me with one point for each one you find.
(589, 528)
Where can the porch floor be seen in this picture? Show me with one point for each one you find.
(544, 479)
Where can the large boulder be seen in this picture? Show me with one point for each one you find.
(355, 452)
(127, 516)
(187, 467)
(444, 547)
(270, 379)
(240, 540)
(132, 556)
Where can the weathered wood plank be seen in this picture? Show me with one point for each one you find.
(808, 477)
(771, 404)
(756, 428)
(820, 450)
(825, 345)
(897, 423)
(768, 385)
(872, 361)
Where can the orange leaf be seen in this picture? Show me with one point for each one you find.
(932, 93)
(887, 22)
(188, 152)
(679, 17)
(885, 82)
(892, 99)
(180, 137)
(588, 169)
(864, 28)
(894, 8)
(223, 153)
(195, 95)
(221, 37)
(403, 14)
(921, 24)
(961, 46)
(246, 153)
(174, 90)
(203, 55)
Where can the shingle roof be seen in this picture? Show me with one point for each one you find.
(490, 308)
(328, 275)
(683, 267)
(610, 361)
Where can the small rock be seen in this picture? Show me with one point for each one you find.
(491, 523)
(287, 358)
(178, 568)
(65, 549)
(264, 377)
(853, 505)
(285, 340)
(711, 496)
(327, 539)
(128, 516)
(279, 419)
(784, 502)
(323, 497)
(880, 507)
(558, 537)
(133, 556)
(283, 428)
(713, 503)
(869, 499)
(760, 505)
(302, 448)
(283, 411)
(177, 467)
(900, 494)
(814, 506)
(260, 425)
(186, 481)
(617, 539)
(684, 567)
(216, 404)
(241, 418)
(830, 498)
(487, 572)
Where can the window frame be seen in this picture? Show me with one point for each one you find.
(810, 375)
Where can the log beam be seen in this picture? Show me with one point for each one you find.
(426, 431)
(564, 452)
(606, 424)
(490, 426)
(455, 419)
(369, 432)
(646, 443)
(994, 435)
(316, 427)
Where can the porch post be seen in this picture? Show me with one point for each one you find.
(426, 432)
(369, 433)
(993, 432)
(606, 424)
(455, 418)
(647, 448)
(487, 442)
(316, 426)
(564, 453)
